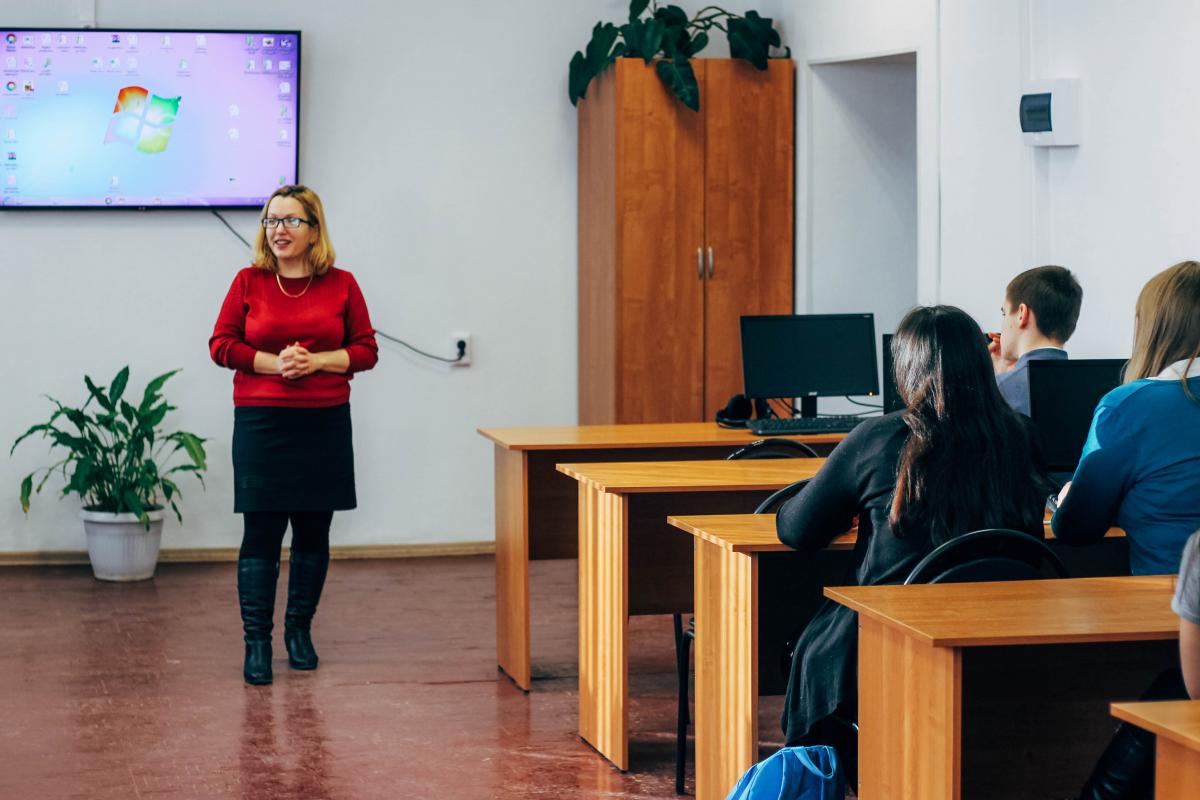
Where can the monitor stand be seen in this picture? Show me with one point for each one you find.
(808, 406)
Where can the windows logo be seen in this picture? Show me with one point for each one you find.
(142, 119)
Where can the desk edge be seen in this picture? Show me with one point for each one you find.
(1127, 712)
(494, 435)
(1164, 634)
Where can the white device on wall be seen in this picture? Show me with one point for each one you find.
(1051, 112)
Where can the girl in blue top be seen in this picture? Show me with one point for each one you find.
(1140, 467)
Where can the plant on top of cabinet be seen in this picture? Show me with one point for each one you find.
(665, 33)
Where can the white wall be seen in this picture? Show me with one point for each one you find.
(988, 208)
(441, 140)
(1123, 206)
(1115, 210)
(863, 189)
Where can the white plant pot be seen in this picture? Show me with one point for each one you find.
(120, 547)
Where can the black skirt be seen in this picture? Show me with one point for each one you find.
(292, 459)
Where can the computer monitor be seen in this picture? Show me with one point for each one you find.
(891, 397)
(1063, 396)
(809, 356)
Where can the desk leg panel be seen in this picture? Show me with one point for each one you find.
(910, 707)
(554, 497)
(726, 596)
(660, 558)
(1018, 700)
(1176, 772)
(603, 623)
(512, 565)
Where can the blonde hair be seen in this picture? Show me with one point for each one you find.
(1167, 328)
(320, 254)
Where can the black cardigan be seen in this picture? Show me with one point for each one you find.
(858, 479)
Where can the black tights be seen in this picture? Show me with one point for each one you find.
(264, 533)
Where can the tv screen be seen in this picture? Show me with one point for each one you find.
(147, 118)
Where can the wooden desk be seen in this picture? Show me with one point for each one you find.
(1177, 761)
(727, 552)
(536, 507)
(999, 690)
(739, 570)
(631, 562)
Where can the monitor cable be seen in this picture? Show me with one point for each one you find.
(462, 346)
(232, 230)
(864, 405)
(871, 406)
(462, 349)
(790, 409)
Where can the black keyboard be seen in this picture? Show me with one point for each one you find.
(801, 425)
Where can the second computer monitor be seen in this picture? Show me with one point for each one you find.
(1062, 399)
(809, 355)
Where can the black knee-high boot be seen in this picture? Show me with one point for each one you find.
(1126, 770)
(306, 578)
(256, 594)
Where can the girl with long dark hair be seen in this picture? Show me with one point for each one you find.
(956, 459)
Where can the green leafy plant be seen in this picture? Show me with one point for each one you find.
(666, 33)
(116, 454)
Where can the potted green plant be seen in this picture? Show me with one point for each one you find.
(665, 33)
(118, 460)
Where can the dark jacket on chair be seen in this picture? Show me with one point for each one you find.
(858, 479)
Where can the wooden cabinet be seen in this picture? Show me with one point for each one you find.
(685, 224)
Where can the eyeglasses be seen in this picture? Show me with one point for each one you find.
(288, 222)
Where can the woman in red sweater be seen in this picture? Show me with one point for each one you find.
(294, 329)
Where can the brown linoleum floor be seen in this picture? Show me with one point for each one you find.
(135, 691)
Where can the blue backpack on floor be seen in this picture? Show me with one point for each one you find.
(794, 773)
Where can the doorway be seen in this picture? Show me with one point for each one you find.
(862, 192)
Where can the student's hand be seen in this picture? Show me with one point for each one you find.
(999, 362)
(1062, 495)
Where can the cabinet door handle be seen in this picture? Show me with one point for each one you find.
(711, 264)
(700, 263)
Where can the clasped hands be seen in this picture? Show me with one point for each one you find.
(295, 361)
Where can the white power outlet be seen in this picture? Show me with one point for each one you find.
(455, 339)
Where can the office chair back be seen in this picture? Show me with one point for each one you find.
(770, 506)
(993, 554)
(781, 496)
(773, 448)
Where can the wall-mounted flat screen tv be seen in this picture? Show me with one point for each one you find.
(123, 118)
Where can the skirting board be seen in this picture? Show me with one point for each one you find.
(202, 554)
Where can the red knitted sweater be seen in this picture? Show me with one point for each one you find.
(256, 315)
